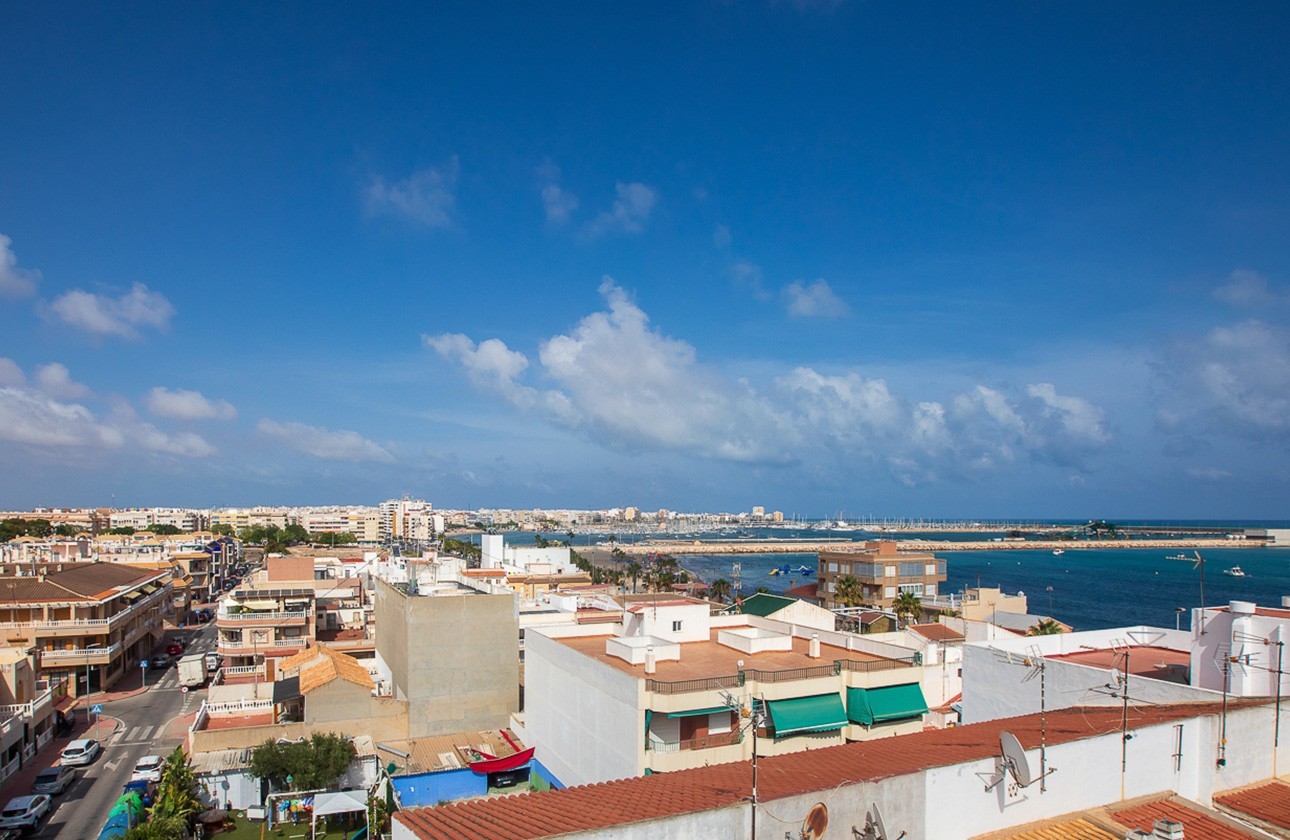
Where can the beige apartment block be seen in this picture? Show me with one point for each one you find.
(883, 572)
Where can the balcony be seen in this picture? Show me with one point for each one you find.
(34, 710)
(275, 619)
(80, 626)
(78, 656)
(724, 739)
(275, 647)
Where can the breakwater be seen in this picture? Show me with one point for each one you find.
(816, 546)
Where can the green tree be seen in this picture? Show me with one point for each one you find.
(311, 765)
(163, 530)
(65, 530)
(177, 791)
(1047, 627)
(223, 530)
(295, 533)
(907, 604)
(39, 528)
(124, 529)
(158, 828)
(848, 592)
(634, 572)
(720, 589)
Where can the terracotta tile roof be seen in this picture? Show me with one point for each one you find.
(555, 812)
(1144, 660)
(806, 591)
(298, 659)
(75, 582)
(445, 752)
(1269, 802)
(936, 632)
(333, 665)
(1195, 823)
(1076, 829)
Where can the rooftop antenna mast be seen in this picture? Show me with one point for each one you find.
(1199, 563)
(753, 718)
(1035, 661)
(1279, 676)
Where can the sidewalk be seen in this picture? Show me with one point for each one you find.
(19, 784)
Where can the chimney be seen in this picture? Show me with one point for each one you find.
(1137, 834)
(1168, 830)
(813, 650)
(649, 660)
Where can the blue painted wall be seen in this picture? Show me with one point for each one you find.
(535, 766)
(433, 788)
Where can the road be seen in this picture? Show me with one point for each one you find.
(81, 812)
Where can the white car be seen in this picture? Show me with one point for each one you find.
(24, 811)
(148, 769)
(80, 753)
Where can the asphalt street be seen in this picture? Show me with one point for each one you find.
(82, 810)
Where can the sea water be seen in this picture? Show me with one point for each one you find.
(1087, 588)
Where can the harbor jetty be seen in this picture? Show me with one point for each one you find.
(838, 544)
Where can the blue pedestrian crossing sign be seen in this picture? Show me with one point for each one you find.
(96, 709)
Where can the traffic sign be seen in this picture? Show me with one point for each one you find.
(96, 709)
(143, 663)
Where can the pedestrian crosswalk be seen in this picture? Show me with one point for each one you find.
(141, 734)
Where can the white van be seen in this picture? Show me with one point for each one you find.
(212, 662)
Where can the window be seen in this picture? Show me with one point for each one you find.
(676, 627)
(890, 592)
(916, 588)
(930, 569)
(889, 571)
(930, 589)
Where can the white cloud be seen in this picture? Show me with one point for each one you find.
(721, 237)
(1232, 380)
(490, 365)
(1249, 289)
(816, 300)
(335, 445)
(14, 281)
(10, 374)
(185, 444)
(56, 381)
(119, 316)
(630, 211)
(558, 202)
(627, 386)
(32, 418)
(427, 196)
(181, 404)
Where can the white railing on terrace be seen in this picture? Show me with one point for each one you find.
(86, 623)
(265, 616)
(75, 655)
(229, 706)
(288, 643)
(32, 709)
(10, 768)
(234, 670)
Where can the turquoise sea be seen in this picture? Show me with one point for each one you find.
(1091, 588)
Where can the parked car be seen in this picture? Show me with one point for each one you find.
(174, 649)
(54, 780)
(148, 769)
(80, 753)
(159, 662)
(25, 811)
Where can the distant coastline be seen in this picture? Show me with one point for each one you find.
(816, 546)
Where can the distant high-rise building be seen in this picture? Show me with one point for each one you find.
(759, 512)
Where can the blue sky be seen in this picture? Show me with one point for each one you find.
(874, 258)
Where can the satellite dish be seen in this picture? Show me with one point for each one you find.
(817, 820)
(879, 827)
(1014, 758)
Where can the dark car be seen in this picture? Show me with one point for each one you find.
(159, 662)
(54, 780)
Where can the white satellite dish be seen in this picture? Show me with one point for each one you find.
(875, 828)
(1014, 759)
(879, 827)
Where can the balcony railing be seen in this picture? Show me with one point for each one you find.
(724, 739)
(78, 656)
(791, 674)
(94, 624)
(251, 617)
(866, 666)
(687, 686)
(32, 710)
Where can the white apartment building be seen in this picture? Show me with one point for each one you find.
(142, 518)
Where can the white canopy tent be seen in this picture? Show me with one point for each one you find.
(341, 802)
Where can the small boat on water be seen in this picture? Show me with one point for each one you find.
(1058, 552)
(1235, 571)
(1177, 557)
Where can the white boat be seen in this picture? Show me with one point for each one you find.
(1058, 552)
(1177, 557)
(1235, 571)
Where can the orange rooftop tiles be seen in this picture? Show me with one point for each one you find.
(553, 813)
(1195, 823)
(937, 632)
(1269, 802)
(1077, 829)
(1144, 661)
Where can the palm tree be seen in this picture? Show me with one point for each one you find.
(634, 571)
(720, 589)
(1047, 627)
(177, 791)
(848, 591)
(907, 604)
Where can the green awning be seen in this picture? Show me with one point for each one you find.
(893, 702)
(697, 712)
(807, 714)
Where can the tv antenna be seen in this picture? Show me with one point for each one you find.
(874, 827)
(1012, 762)
(1035, 661)
(1273, 638)
(816, 822)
